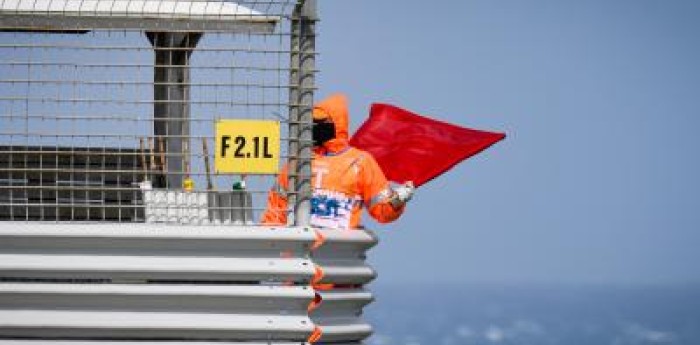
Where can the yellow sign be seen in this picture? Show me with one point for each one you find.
(247, 146)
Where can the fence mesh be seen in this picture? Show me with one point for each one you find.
(108, 108)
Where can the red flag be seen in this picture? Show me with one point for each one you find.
(410, 147)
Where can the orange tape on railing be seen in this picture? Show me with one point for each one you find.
(320, 240)
(318, 277)
(315, 335)
(315, 303)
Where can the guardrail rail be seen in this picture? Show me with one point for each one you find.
(102, 283)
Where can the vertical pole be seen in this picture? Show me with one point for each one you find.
(293, 144)
(302, 66)
(171, 93)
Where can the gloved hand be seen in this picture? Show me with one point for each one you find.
(402, 194)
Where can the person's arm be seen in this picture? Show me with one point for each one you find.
(377, 192)
(276, 211)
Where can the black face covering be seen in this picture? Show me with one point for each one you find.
(322, 132)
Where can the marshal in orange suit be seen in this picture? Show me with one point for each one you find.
(344, 179)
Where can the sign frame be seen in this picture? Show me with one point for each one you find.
(247, 146)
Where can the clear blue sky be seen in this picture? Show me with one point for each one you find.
(597, 182)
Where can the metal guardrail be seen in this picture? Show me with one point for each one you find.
(100, 283)
(339, 313)
(148, 252)
(342, 257)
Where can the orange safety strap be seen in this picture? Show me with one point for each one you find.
(315, 335)
(320, 240)
(324, 287)
(315, 303)
(318, 277)
(318, 272)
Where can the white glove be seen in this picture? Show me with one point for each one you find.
(402, 194)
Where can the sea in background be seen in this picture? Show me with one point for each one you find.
(571, 315)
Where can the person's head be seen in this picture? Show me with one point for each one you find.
(330, 117)
(323, 131)
(324, 128)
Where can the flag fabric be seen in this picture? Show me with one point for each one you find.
(411, 147)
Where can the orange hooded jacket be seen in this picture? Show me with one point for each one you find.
(343, 179)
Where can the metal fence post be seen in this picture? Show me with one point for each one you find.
(303, 58)
(171, 113)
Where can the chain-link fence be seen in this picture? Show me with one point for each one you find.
(109, 109)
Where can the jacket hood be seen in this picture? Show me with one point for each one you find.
(335, 108)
